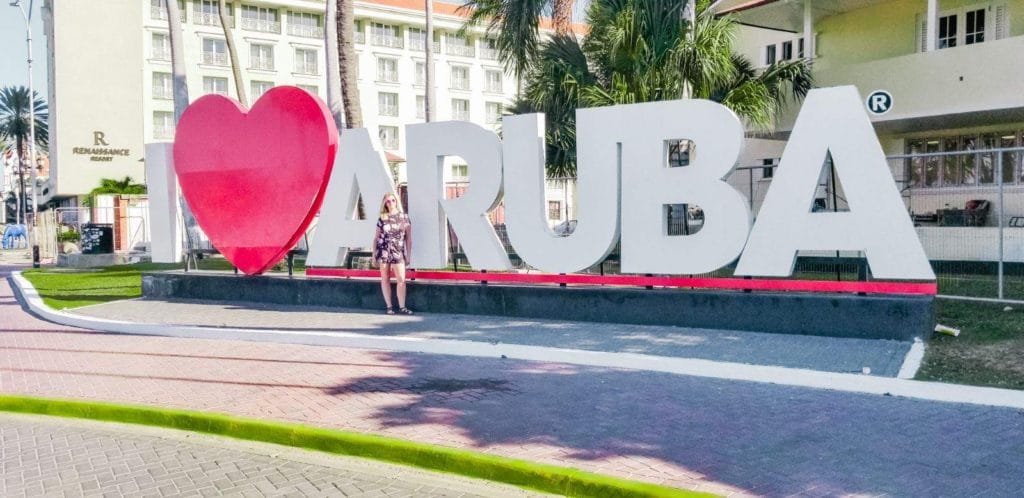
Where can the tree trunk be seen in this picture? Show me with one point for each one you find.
(347, 64)
(177, 59)
(229, 40)
(689, 15)
(334, 98)
(22, 201)
(561, 16)
(428, 69)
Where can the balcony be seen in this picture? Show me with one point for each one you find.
(261, 25)
(162, 93)
(387, 76)
(160, 13)
(163, 132)
(305, 31)
(211, 19)
(162, 54)
(215, 58)
(388, 110)
(488, 53)
(387, 41)
(262, 64)
(460, 50)
(960, 85)
(306, 69)
(360, 37)
(389, 143)
(460, 115)
(419, 44)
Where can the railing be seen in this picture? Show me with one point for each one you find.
(420, 44)
(160, 13)
(460, 115)
(305, 31)
(390, 143)
(489, 53)
(210, 19)
(387, 76)
(261, 25)
(262, 64)
(389, 110)
(493, 87)
(360, 37)
(162, 92)
(163, 132)
(161, 54)
(387, 41)
(460, 84)
(215, 58)
(307, 69)
(461, 50)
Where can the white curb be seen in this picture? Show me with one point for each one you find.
(854, 383)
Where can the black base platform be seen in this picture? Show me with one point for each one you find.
(835, 315)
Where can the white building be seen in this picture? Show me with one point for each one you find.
(111, 90)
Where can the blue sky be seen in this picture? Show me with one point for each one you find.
(13, 54)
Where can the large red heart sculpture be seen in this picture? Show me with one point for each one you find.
(255, 180)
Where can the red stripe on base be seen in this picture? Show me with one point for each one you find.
(925, 288)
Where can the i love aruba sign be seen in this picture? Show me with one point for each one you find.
(256, 179)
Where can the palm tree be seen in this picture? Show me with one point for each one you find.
(428, 66)
(17, 109)
(515, 26)
(347, 64)
(177, 59)
(647, 50)
(125, 186)
(229, 40)
(334, 98)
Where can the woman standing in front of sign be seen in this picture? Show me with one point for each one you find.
(392, 245)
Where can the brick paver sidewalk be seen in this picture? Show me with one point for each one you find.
(688, 432)
(44, 456)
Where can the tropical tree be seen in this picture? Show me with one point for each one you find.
(17, 110)
(334, 98)
(515, 26)
(347, 63)
(125, 186)
(229, 40)
(647, 50)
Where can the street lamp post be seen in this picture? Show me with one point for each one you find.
(27, 15)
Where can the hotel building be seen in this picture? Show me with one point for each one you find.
(950, 67)
(111, 92)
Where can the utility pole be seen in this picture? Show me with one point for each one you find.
(34, 171)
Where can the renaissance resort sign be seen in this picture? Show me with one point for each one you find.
(623, 185)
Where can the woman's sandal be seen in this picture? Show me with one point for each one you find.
(405, 311)
(389, 311)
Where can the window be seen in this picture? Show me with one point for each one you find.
(769, 55)
(263, 19)
(800, 47)
(975, 31)
(460, 172)
(385, 35)
(967, 168)
(421, 107)
(554, 210)
(460, 78)
(387, 70)
(494, 111)
(259, 88)
(421, 73)
(162, 86)
(360, 35)
(489, 49)
(306, 61)
(769, 168)
(787, 50)
(947, 31)
(310, 88)
(207, 12)
(305, 24)
(261, 57)
(388, 137)
(458, 45)
(418, 40)
(212, 84)
(161, 47)
(215, 52)
(494, 81)
(163, 125)
(158, 11)
(460, 109)
(387, 104)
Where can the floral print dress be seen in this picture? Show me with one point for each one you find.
(390, 244)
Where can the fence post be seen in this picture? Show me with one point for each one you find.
(999, 219)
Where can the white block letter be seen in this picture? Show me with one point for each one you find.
(428, 145)
(648, 185)
(833, 120)
(358, 168)
(597, 223)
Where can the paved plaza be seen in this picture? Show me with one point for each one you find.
(723, 436)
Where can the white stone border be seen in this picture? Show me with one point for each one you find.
(854, 383)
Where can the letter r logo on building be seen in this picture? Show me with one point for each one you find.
(98, 138)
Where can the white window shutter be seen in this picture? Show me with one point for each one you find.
(1002, 28)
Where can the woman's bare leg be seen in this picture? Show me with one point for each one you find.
(400, 277)
(385, 282)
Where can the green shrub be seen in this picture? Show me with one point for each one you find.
(69, 236)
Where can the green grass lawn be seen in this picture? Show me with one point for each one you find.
(988, 352)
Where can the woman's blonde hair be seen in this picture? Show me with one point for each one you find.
(384, 212)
